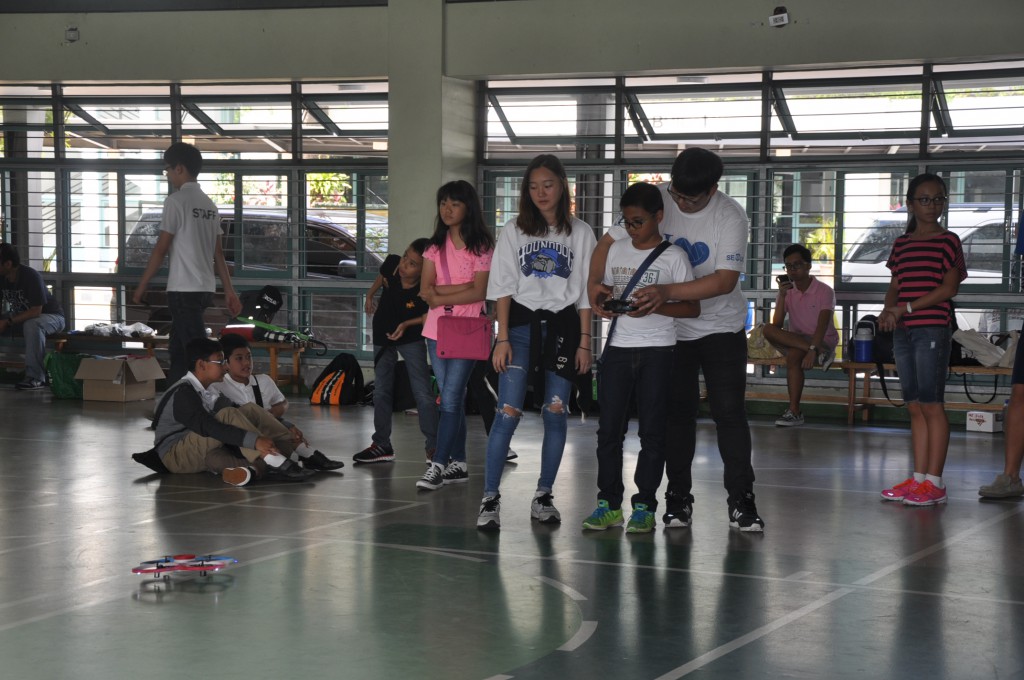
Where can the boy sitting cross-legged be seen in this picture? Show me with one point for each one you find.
(197, 431)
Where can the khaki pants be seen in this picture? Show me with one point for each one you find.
(196, 453)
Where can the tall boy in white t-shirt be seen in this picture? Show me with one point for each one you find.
(637, 357)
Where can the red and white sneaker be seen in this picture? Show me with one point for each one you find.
(925, 493)
(900, 491)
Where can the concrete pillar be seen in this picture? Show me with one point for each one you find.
(431, 120)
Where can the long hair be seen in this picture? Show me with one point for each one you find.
(530, 221)
(912, 189)
(474, 232)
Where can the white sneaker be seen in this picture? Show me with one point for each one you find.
(790, 419)
(826, 358)
(488, 519)
(510, 456)
(543, 510)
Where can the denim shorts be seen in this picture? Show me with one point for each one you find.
(922, 361)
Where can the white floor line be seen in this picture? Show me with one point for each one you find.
(150, 520)
(798, 576)
(811, 607)
(573, 594)
(587, 628)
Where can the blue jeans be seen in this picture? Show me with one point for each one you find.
(35, 332)
(624, 371)
(722, 357)
(415, 356)
(922, 361)
(512, 392)
(186, 325)
(452, 377)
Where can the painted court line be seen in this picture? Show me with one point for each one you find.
(811, 607)
(573, 594)
(587, 628)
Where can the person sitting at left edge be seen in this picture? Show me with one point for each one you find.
(196, 430)
(240, 386)
(31, 309)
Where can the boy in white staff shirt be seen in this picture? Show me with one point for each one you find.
(637, 358)
(240, 386)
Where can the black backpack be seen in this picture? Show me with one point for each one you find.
(340, 383)
(881, 348)
(261, 304)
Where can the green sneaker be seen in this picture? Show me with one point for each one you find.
(603, 517)
(641, 521)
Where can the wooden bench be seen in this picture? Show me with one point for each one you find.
(274, 350)
(862, 395)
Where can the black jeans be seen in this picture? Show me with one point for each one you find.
(723, 359)
(186, 325)
(645, 371)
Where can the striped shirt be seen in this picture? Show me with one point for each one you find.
(919, 267)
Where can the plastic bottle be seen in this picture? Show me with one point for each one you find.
(863, 346)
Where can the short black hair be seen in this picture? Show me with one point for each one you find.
(183, 153)
(201, 349)
(9, 253)
(804, 253)
(642, 195)
(229, 342)
(420, 245)
(695, 171)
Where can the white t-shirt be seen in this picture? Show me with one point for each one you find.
(194, 221)
(714, 238)
(242, 394)
(672, 266)
(542, 272)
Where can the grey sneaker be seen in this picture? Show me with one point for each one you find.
(455, 473)
(826, 358)
(488, 519)
(790, 419)
(433, 478)
(1004, 486)
(511, 456)
(543, 509)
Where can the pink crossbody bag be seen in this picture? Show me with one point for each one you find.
(462, 337)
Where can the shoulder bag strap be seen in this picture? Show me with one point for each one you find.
(256, 392)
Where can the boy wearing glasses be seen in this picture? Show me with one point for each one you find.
(811, 336)
(198, 430)
(712, 228)
(241, 387)
(190, 238)
(637, 359)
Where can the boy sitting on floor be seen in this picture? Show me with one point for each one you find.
(197, 431)
(240, 387)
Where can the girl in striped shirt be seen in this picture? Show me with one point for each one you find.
(927, 264)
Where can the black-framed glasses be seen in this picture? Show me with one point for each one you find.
(632, 224)
(790, 266)
(928, 200)
(679, 198)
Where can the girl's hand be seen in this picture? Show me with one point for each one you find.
(371, 304)
(888, 318)
(398, 332)
(584, 359)
(429, 295)
(502, 356)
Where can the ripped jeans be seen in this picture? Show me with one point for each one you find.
(512, 394)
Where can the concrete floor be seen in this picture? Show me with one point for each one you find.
(358, 575)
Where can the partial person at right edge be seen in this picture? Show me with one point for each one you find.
(810, 337)
(190, 237)
(1008, 484)
(713, 229)
(31, 309)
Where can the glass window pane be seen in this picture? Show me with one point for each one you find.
(94, 208)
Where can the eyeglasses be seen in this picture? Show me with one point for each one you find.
(632, 224)
(219, 362)
(790, 266)
(928, 200)
(686, 200)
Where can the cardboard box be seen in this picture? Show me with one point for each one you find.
(984, 421)
(119, 378)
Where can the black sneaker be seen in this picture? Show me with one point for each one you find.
(30, 384)
(489, 518)
(289, 471)
(374, 453)
(433, 478)
(743, 513)
(455, 473)
(319, 462)
(679, 510)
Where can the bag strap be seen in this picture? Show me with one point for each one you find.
(995, 391)
(654, 254)
(444, 261)
(257, 395)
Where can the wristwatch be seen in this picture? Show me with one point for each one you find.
(811, 348)
(910, 310)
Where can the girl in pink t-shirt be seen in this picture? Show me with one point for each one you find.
(468, 245)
